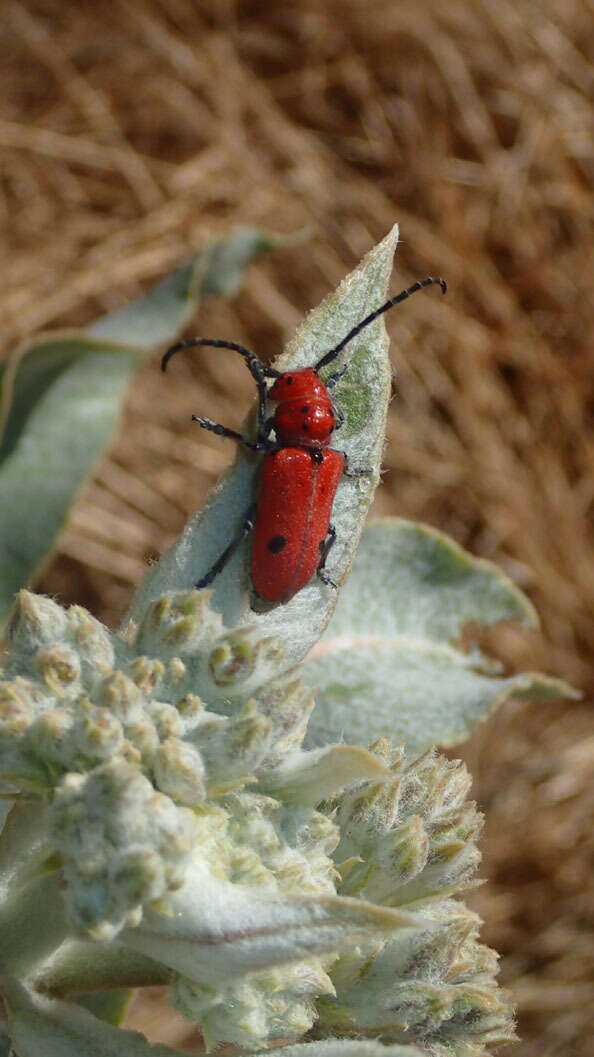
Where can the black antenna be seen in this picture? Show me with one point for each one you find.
(256, 367)
(378, 312)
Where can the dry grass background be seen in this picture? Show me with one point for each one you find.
(133, 131)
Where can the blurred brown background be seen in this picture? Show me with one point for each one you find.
(132, 132)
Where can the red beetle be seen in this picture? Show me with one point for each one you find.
(299, 474)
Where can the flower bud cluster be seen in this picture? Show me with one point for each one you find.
(122, 843)
(173, 752)
(409, 842)
(110, 732)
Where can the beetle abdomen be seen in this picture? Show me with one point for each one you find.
(296, 490)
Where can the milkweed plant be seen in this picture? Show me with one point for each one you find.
(243, 802)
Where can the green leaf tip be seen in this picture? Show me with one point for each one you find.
(389, 663)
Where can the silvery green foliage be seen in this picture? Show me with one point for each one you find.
(410, 842)
(412, 597)
(283, 891)
(168, 825)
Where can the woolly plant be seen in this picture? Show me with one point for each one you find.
(179, 811)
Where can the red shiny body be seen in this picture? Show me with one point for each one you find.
(296, 487)
(304, 416)
(293, 507)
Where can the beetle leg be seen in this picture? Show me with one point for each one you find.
(334, 378)
(222, 431)
(357, 471)
(325, 548)
(266, 430)
(248, 524)
(263, 422)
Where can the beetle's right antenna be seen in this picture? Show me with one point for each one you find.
(378, 312)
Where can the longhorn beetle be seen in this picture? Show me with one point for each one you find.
(299, 474)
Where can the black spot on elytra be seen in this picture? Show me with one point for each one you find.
(305, 409)
(289, 381)
(305, 428)
(276, 544)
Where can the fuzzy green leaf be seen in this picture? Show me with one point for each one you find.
(389, 663)
(212, 931)
(61, 397)
(85, 966)
(344, 1048)
(39, 1027)
(32, 923)
(5, 1043)
(66, 404)
(110, 1006)
(363, 395)
(306, 778)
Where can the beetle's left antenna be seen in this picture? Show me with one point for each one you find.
(255, 366)
(257, 369)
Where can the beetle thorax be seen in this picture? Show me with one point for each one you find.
(304, 416)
